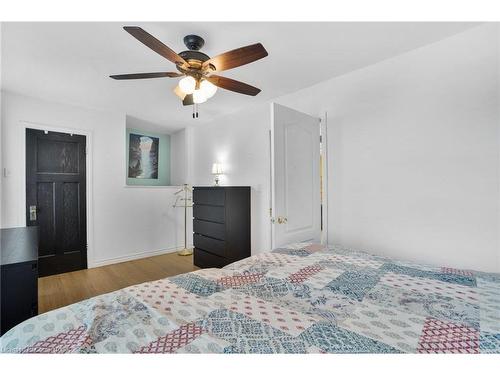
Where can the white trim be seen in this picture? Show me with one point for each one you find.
(272, 187)
(324, 153)
(140, 255)
(270, 210)
(88, 177)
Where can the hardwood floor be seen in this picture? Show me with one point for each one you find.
(67, 288)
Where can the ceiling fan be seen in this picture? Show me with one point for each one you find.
(199, 81)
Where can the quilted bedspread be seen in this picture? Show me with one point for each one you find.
(304, 298)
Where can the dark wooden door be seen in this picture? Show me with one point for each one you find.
(56, 192)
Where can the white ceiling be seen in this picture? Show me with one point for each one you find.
(71, 62)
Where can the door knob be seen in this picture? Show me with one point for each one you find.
(282, 220)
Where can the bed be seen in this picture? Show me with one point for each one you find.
(303, 298)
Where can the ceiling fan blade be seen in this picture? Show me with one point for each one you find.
(146, 75)
(153, 43)
(237, 57)
(233, 85)
(188, 100)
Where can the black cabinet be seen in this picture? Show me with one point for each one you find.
(19, 275)
(221, 225)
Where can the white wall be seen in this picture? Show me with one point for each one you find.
(413, 147)
(241, 143)
(128, 221)
(178, 152)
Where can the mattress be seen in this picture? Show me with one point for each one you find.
(302, 298)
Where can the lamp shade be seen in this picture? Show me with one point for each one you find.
(216, 168)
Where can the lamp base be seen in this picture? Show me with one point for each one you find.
(185, 252)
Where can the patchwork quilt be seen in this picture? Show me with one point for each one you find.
(303, 298)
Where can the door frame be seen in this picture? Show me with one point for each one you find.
(88, 176)
(324, 171)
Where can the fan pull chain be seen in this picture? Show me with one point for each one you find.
(195, 111)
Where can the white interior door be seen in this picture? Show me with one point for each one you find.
(295, 164)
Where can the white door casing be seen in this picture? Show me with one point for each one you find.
(295, 164)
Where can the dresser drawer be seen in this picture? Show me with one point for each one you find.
(204, 259)
(210, 213)
(211, 245)
(212, 196)
(210, 229)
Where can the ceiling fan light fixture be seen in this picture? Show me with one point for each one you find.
(196, 69)
(199, 96)
(208, 88)
(187, 85)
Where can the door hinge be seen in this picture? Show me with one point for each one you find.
(320, 139)
(270, 212)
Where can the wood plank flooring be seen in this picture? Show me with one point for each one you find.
(67, 288)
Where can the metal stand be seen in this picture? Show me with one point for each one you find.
(184, 203)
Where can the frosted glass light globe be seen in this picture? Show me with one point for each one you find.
(199, 97)
(187, 85)
(179, 92)
(208, 88)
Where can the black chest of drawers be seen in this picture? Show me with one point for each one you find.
(221, 225)
(19, 275)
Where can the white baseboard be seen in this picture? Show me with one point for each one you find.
(125, 258)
